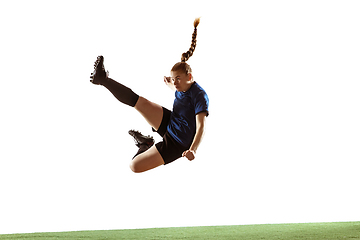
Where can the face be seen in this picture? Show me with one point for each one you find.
(181, 81)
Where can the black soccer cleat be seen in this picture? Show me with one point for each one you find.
(99, 74)
(141, 139)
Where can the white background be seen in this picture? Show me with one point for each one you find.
(283, 135)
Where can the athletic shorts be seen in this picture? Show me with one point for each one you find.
(169, 149)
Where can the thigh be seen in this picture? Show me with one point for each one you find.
(152, 112)
(164, 123)
(147, 160)
(169, 149)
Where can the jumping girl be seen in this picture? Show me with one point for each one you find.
(181, 129)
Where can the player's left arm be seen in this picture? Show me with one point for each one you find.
(200, 131)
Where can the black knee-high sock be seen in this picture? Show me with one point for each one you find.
(122, 93)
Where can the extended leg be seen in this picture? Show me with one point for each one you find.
(152, 112)
(121, 92)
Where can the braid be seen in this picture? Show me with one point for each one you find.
(185, 56)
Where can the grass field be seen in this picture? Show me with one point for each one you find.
(341, 230)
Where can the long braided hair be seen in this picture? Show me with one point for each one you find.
(183, 66)
(186, 55)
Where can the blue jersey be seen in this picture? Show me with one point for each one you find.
(182, 125)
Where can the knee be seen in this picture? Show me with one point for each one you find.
(135, 167)
(141, 103)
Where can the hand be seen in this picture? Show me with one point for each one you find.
(169, 83)
(167, 80)
(189, 154)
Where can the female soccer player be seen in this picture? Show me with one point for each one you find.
(181, 129)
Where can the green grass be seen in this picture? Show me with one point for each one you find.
(318, 231)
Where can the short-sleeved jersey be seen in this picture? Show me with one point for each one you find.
(182, 125)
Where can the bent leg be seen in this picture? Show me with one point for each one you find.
(147, 160)
(152, 112)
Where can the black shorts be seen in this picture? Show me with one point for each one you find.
(169, 149)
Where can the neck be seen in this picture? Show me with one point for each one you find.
(189, 86)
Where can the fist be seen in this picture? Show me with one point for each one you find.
(189, 154)
(167, 80)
